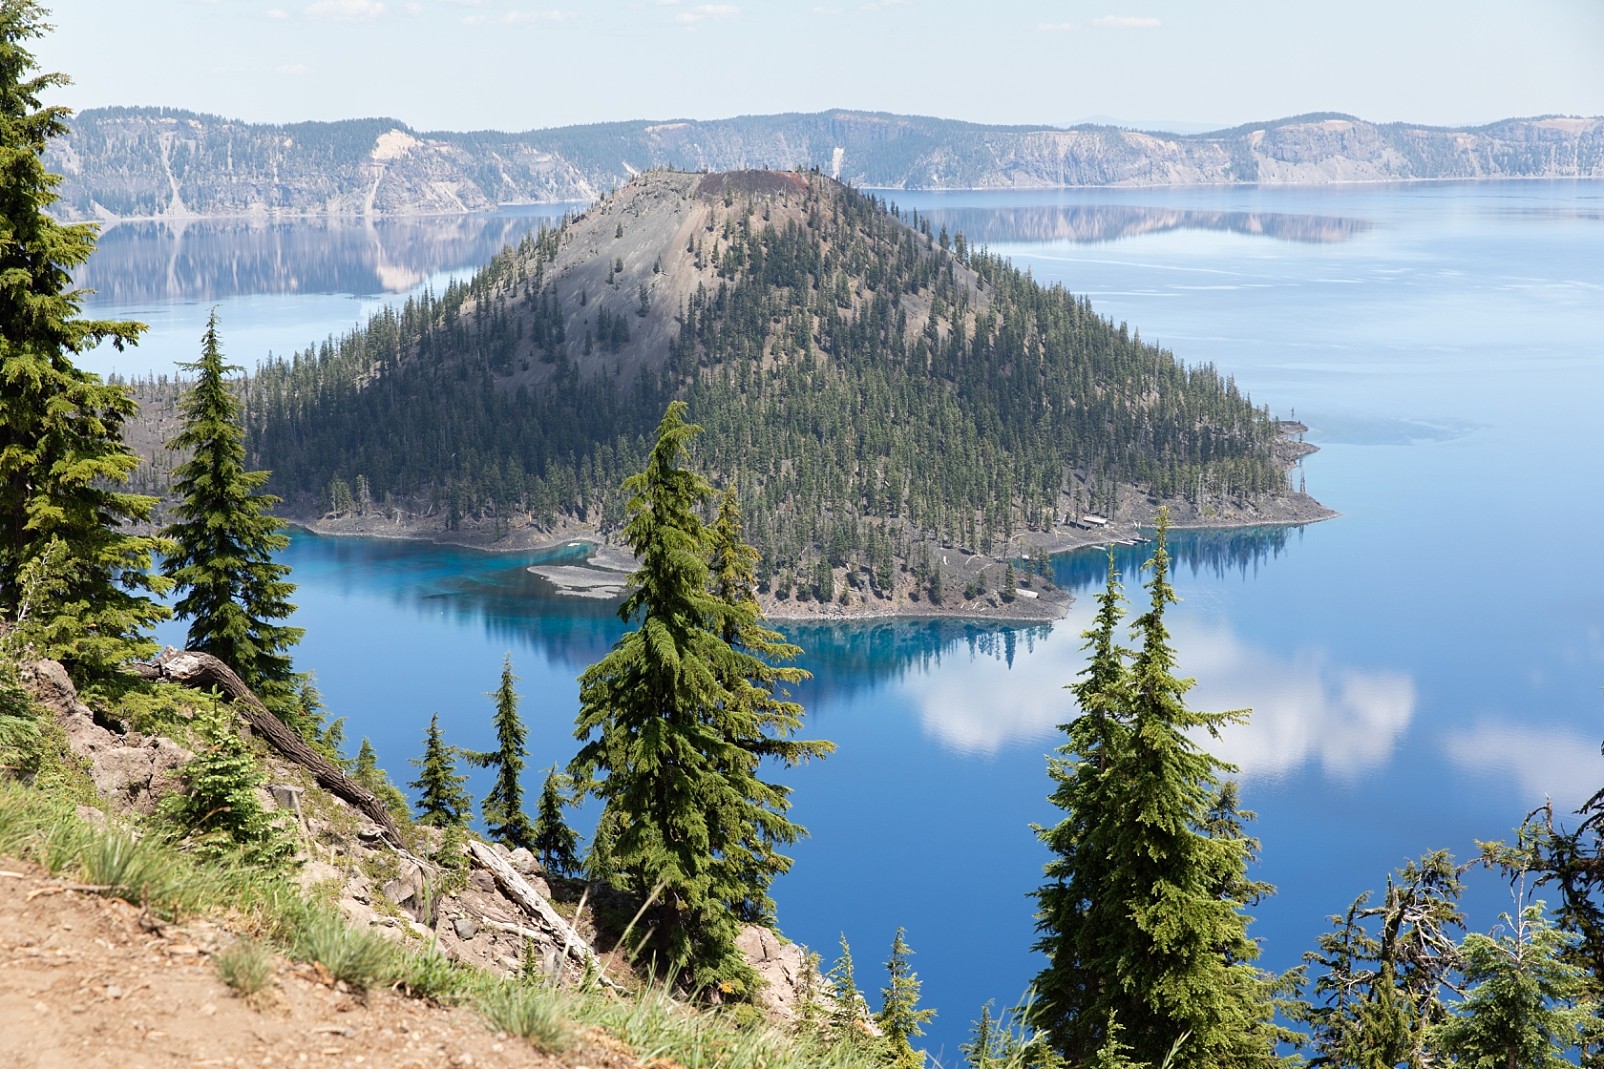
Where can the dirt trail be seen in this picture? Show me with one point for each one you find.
(87, 982)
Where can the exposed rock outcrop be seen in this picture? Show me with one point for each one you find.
(130, 770)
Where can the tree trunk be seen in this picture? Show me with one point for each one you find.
(202, 671)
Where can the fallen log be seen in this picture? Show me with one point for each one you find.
(516, 888)
(202, 671)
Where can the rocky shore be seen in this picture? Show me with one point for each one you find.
(606, 566)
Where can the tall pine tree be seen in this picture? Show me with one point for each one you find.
(231, 589)
(757, 702)
(443, 799)
(503, 806)
(1076, 894)
(62, 457)
(675, 724)
(1138, 917)
(900, 1017)
(555, 841)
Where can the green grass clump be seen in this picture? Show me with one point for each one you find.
(359, 959)
(537, 1014)
(246, 966)
(431, 975)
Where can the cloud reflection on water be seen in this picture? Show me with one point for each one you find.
(1542, 764)
(1306, 710)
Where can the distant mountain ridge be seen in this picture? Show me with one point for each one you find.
(131, 163)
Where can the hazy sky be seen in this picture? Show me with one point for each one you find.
(522, 64)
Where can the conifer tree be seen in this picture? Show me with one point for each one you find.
(554, 840)
(849, 1010)
(1526, 1006)
(1384, 967)
(443, 799)
(231, 589)
(1076, 893)
(674, 732)
(503, 807)
(760, 696)
(62, 457)
(366, 771)
(900, 1017)
(219, 805)
(987, 1041)
(1137, 918)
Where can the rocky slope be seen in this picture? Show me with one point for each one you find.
(89, 981)
(123, 163)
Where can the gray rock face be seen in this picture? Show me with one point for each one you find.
(132, 163)
(133, 772)
(783, 967)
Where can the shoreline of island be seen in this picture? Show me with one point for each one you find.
(606, 566)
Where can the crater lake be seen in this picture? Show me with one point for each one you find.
(1423, 670)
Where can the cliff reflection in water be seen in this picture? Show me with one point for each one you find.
(212, 259)
(1097, 223)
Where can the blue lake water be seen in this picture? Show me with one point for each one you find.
(1423, 670)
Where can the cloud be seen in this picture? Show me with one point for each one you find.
(1552, 764)
(344, 10)
(292, 69)
(277, 13)
(1057, 27)
(704, 12)
(414, 9)
(1305, 710)
(1126, 22)
(513, 18)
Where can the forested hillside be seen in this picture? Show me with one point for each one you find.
(147, 162)
(878, 390)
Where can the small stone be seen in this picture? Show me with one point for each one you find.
(465, 927)
(523, 862)
(208, 1010)
(113, 991)
(286, 796)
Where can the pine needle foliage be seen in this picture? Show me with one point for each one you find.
(62, 457)
(1526, 1005)
(1383, 969)
(849, 1012)
(1138, 915)
(675, 723)
(900, 1017)
(503, 807)
(443, 799)
(219, 808)
(366, 771)
(555, 842)
(223, 539)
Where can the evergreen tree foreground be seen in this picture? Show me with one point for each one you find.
(62, 457)
(676, 723)
(1140, 917)
(223, 539)
(503, 807)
